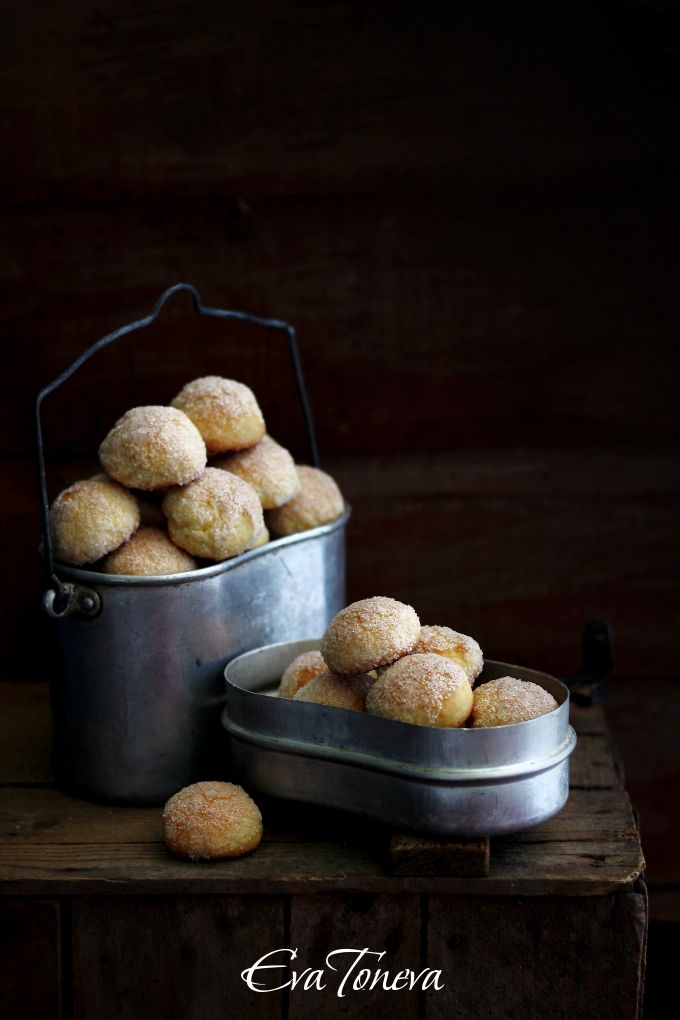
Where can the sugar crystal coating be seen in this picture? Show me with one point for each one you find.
(369, 633)
(149, 552)
(211, 820)
(153, 448)
(225, 412)
(510, 700)
(337, 691)
(302, 669)
(268, 467)
(318, 501)
(423, 688)
(90, 519)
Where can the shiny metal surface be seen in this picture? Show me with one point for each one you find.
(456, 782)
(139, 687)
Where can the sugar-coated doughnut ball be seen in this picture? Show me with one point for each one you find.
(459, 648)
(90, 519)
(148, 552)
(208, 821)
(217, 516)
(337, 691)
(150, 513)
(425, 688)
(268, 467)
(153, 448)
(261, 539)
(318, 501)
(302, 669)
(369, 633)
(509, 700)
(224, 411)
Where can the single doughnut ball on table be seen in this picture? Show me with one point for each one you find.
(369, 633)
(510, 700)
(224, 411)
(318, 501)
(424, 688)
(268, 467)
(153, 448)
(303, 668)
(459, 648)
(148, 552)
(90, 519)
(215, 517)
(209, 821)
(337, 691)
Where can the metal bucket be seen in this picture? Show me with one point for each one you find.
(449, 782)
(138, 687)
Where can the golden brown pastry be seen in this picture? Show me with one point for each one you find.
(369, 633)
(148, 552)
(425, 688)
(153, 448)
(150, 513)
(224, 411)
(210, 820)
(302, 669)
(268, 467)
(215, 517)
(337, 691)
(318, 501)
(509, 700)
(261, 539)
(459, 648)
(90, 519)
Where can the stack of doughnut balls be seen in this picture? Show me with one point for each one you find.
(197, 480)
(375, 657)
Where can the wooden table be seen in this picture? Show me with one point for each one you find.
(98, 921)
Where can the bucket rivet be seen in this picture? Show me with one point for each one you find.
(88, 603)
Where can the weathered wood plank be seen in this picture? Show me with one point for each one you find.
(591, 847)
(172, 956)
(323, 923)
(592, 765)
(30, 978)
(416, 855)
(557, 957)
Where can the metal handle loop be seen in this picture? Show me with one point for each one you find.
(61, 594)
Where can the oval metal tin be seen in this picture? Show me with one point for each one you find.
(449, 782)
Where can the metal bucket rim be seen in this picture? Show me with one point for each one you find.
(202, 573)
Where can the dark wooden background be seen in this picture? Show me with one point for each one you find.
(472, 217)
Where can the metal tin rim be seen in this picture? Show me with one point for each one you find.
(214, 570)
(394, 767)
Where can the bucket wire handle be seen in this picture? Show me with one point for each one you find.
(59, 603)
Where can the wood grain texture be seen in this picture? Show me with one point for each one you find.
(556, 957)
(30, 960)
(58, 846)
(383, 924)
(172, 957)
(141, 100)
(417, 855)
(426, 324)
(52, 843)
